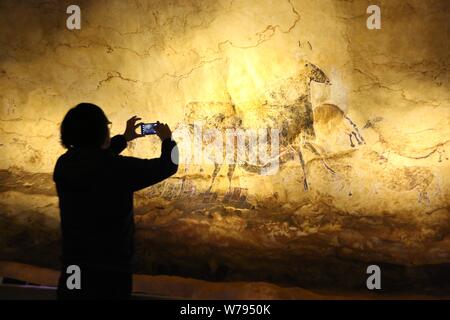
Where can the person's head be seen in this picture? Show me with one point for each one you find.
(85, 126)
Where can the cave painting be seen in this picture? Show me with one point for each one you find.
(286, 106)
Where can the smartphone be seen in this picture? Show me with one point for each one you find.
(148, 128)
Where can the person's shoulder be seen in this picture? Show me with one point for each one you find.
(64, 157)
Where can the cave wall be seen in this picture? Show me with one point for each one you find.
(384, 195)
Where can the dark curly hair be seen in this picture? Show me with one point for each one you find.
(85, 125)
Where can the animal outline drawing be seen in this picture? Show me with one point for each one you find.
(286, 106)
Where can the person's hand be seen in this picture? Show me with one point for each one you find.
(130, 131)
(163, 131)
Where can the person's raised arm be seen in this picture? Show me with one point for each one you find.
(134, 174)
(118, 144)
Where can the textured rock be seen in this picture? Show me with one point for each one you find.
(374, 141)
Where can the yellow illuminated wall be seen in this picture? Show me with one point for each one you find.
(385, 199)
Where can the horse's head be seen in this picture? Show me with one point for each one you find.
(314, 73)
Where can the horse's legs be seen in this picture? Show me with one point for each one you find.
(186, 170)
(217, 167)
(302, 162)
(350, 135)
(310, 146)
(231, 168)
(358, 136)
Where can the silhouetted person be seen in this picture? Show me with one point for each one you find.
(95, 187)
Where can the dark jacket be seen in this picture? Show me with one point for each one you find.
(95, 189)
